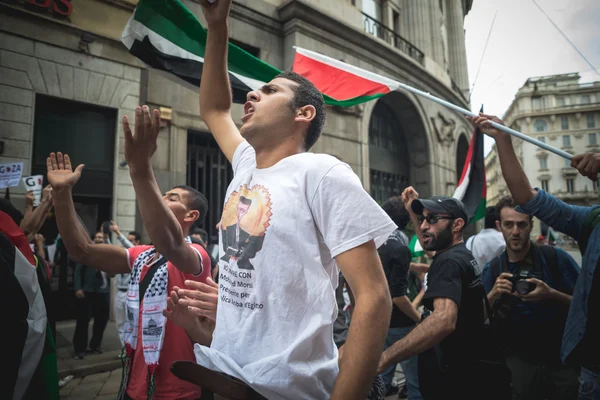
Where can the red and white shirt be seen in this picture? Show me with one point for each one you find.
(177, 346)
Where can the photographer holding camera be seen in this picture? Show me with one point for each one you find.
(530, 289)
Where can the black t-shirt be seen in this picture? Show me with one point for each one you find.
(395, 258)
(452, 275)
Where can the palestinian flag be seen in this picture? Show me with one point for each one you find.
(166, 36)
(472, 189)
(27, 347)
(415, 247)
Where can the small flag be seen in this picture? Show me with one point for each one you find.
(471, 189)
(415, 247)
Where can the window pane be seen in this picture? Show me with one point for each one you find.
(540, 125)
(585, 99)
(545, 185)
(536, 103)
(560, 101)
(566, 141)
(564, 122)
(591, 122)
(592, 138)
(543, 163)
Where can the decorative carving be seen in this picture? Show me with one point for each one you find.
(444, 128)
(357, 110)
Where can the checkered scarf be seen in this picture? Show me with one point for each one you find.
(153, 322)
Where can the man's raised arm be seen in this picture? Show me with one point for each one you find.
(515, 177)
(215, 88)
(104, 257)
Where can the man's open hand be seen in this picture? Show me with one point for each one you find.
(60, 173)
(141, 144)
(201, 298)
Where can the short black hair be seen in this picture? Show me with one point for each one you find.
(196, 201)
(505, 202)
(307, 94)
(490, 218)
(202, 232)
(136, 235)
(394, 207)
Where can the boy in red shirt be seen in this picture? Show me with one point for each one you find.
(152, 342)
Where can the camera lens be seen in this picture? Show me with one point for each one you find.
(524, 287)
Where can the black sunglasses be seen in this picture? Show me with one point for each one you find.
(433, 219)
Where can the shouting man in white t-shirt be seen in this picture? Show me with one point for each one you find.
(305, 215)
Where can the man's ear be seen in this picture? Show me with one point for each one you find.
(192, 216)
(305, 114)
(459, 224)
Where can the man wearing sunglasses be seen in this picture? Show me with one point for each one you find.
(446, 341)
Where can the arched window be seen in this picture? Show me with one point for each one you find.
(539, 125)
(387, 153)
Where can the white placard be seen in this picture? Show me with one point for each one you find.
(10, 174)
(35, 183)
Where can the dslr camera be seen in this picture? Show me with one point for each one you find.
(520, 284)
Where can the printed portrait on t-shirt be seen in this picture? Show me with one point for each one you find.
(245, 220)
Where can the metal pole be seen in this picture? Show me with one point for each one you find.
(496, 125)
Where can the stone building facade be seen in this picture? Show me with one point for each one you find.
(564, 113)
(66, 81)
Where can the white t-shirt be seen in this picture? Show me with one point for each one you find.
(281, 228)
(485, 246)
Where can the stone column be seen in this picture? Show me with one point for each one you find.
(417, 16)
(435, 16)
(456, 44)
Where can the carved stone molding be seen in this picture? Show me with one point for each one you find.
(444, 128)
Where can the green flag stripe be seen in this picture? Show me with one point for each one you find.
(172, 20)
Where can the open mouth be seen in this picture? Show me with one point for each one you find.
(427, 238)
(248, 111)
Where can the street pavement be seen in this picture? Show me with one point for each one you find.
(99, 386)
(92, 363)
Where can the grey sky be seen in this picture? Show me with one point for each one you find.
(525, 44)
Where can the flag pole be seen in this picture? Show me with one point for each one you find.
(392, 83)
(496, 125)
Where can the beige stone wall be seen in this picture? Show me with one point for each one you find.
(28, 68)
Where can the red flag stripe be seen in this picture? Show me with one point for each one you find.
(335, 82)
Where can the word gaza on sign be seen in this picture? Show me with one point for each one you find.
(60, 8)
(10, 174)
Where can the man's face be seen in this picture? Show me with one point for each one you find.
(436, 235)
(242, 210)
(99, 238)
(267, 111)
(516, 228)
(177, 200)
(133, 240)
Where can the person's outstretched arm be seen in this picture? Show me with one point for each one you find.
(103, 257)
(215, 92)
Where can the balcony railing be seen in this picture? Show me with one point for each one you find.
(379, 30)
